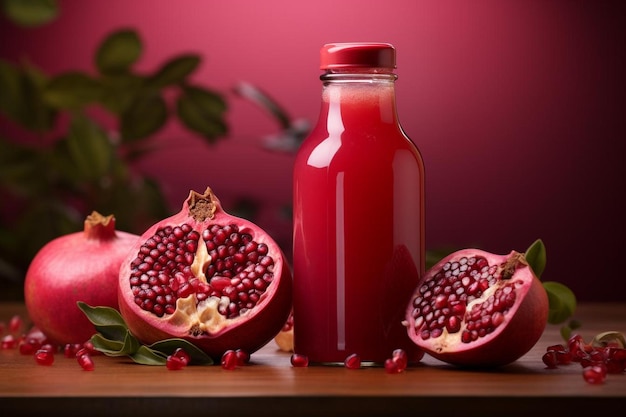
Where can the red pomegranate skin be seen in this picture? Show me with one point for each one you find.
(522, 322)
(81, 266)
(198, 322)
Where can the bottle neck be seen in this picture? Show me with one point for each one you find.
(361, 98)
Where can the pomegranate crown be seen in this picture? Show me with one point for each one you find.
(202, 206)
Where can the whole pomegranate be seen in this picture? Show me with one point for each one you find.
(216, 280)
(81, 266)
(477, 309)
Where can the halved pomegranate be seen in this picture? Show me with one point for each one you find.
(216, 280)
(474, 308)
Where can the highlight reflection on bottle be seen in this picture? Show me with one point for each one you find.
(358, 214)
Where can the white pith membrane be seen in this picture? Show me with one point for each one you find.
(448, 339)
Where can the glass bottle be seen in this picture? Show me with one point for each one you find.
(358, 190)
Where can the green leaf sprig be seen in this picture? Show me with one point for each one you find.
(562, 300)
(113, 338)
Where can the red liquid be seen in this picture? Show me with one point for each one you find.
(358, 228)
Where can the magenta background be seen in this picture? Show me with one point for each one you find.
(517, 106)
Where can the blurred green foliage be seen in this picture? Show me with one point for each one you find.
(76, 164)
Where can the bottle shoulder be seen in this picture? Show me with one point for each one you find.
(322, 150)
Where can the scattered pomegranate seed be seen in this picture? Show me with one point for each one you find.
(29, 346)
(8, 342)
(175, 363)
(353, 361)
(49, 347)
(71, 349)
(595, 374)
(182, 355)
(391, 366)
(91, 348)
(299, 361)
(82, 351)
(86, 362)
(243, 357)
(596, 361)
(15, 324)
(549, 358)
(44, 357)
(229, 360)
(401, 359)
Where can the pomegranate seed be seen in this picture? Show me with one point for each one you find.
(391, 366)
(175, 363)
(44, 357)
(49, 347)
(91, 348)
(299, 360)
(401, 359)
(70, 349)
(86, 362)
(81, 351)
(15, 324)
(29, 346)
(182, 355)
(353, 361)
(243, 357)
(595, 374)
(616, 360)
(563, 357)
(8, 342)
(229, 360)
(618, 354)
(614, 366)
(550, 359)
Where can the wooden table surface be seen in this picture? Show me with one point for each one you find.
(271, 386)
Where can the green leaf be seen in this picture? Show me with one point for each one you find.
(174, 71)
(120, 90)
(109, 347)
(114, 339)
(20, 168)
(11, 97)
(88, 150)
(145, 116)
(118, 51)
(168, 346)
(562, 302)
(31, 13)
(39, 116)
(102, 316)
(202, 111)
(22, 97)
(106, 320)
(72, 90)
(536, 257)
(567, 329)
(146, 356)
(131, 344)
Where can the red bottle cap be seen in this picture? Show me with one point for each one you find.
(357, 55)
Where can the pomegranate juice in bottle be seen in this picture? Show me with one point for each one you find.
(358, 244)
